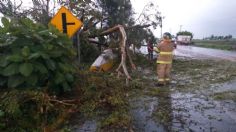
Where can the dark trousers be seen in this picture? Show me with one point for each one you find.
(150, 55)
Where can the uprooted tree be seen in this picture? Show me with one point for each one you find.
(117, 16)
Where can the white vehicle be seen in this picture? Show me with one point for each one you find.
(183, 39)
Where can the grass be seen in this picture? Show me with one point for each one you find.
(201, 74)
(104, 96)
(229, 95)
(216, 44)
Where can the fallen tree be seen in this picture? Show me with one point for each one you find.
(122, 68)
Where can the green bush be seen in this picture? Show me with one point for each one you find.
(88, 51)
(34, 56)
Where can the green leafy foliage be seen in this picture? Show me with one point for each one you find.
(32, 55)
(118, 12)
(36, 63)
(27, 110)
(89, 52)
(102, 94)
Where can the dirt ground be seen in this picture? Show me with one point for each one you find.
(201, 97)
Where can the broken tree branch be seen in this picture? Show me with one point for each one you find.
(138, 26)
(130, 59)
(108, 31)
(98, 43)
(123, 38)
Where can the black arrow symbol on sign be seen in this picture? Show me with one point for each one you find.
(64, 23)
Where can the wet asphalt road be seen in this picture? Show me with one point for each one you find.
(204, 53)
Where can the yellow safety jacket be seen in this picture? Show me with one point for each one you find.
(165, 49)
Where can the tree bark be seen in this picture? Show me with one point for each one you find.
(130, 59)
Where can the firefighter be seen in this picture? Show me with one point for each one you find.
(164, 61)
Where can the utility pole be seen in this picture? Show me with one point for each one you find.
(161, 18)
(180, 28)
(170, 31)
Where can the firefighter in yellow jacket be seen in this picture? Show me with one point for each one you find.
(164, 61)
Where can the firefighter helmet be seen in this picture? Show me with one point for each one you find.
(167, 35)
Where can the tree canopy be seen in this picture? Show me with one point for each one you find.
(185, 33)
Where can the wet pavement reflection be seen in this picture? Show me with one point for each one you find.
(204, 53)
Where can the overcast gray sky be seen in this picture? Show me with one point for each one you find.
(202, 17)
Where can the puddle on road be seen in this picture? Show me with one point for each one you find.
(229, 86)
(180, 110)
(88, 126)
(142, 110)
(169, 110)
(85, 125)
(194, 113)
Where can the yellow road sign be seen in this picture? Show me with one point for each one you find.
(66, 22)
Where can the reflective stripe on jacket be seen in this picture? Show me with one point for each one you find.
(166, 52)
